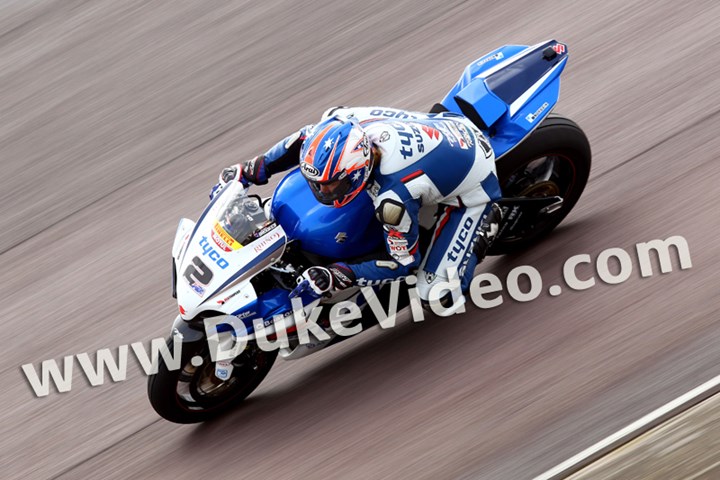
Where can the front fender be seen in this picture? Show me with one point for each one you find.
(188, 331)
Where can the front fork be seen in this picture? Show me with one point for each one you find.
(189, 332)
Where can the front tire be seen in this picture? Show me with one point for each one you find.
(193, 394)
(554, 159)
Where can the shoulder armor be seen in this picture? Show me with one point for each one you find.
(390, 212)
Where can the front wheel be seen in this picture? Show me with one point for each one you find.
(554, 160)
(192, 393)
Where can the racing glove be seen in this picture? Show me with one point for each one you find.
(250, 172)
(228, 174)
(254, 171)
(489, 226)
(321, 280)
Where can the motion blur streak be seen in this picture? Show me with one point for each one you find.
(115, 119)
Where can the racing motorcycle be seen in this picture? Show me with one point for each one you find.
(234, 268)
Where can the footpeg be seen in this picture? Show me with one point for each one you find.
(553, 207)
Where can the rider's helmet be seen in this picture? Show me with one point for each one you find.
(335, 160)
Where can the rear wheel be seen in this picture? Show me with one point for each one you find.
(554, 160)
(193, 393)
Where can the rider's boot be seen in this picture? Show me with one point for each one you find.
(489, 226)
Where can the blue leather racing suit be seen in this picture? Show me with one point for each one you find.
(434, 166)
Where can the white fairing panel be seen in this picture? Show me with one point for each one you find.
(217, 258)
(182, 235)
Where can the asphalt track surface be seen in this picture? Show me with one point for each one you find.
(115, 118)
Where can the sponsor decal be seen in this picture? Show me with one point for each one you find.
(245, 314)
(461, 240)
(458, 135)
(309, 170)
(397, 242)
(265, 230)
(224, 300)
(466, 135)
(497, 56)
(429, 276)
(398, 247)
(409, 140)
(219, 242)
(223, 239)
(559, 48)
(364, 282)
(384, 137)
(197, 289)
(392, 114)
(532, 116)
(223, 369)
(271, 321)
(341, 237)
(446, 133)
(266, 241)
(339, 273)
(431, 132)
(212, 253)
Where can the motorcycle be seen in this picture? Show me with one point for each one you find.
(234, 268)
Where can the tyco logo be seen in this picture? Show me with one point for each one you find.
(406, 139)
(460, 241)
(212, 253)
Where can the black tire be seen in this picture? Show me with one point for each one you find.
(557, 139)
(192, 407)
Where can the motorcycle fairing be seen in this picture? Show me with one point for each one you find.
(214, 276)
(337, 233)
(508, 92)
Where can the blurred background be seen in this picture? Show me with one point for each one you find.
(116, 117)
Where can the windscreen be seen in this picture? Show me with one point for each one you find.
(237, 220)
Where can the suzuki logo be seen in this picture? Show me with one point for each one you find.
(341, 237)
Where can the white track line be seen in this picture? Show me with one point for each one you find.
(632, 431)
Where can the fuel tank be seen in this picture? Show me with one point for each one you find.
(336, 233)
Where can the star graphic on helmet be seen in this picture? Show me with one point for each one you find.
(356, 175)
(328, 144)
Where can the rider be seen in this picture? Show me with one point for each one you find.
(405, 161)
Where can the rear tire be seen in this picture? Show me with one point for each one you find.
(561, 147)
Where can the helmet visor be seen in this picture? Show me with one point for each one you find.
(332, 190)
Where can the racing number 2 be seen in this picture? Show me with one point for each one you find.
(198, 272)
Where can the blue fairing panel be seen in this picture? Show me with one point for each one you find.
(476, 68)
(336, 233)
(479, 104)
(273, 302)
(509, 91)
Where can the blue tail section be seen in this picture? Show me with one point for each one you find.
(509, 91)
